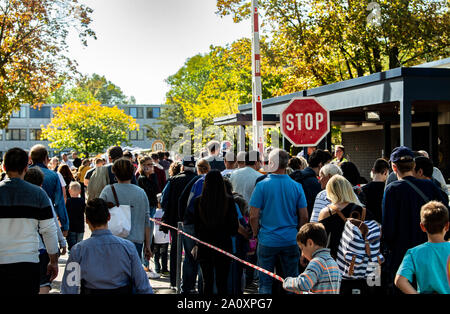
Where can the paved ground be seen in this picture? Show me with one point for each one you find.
(160, 285)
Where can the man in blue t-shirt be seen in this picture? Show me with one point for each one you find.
(278, 210)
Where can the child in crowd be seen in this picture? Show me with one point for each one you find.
(429, 263)
(322, 274)
(75, 210)
(161, 243)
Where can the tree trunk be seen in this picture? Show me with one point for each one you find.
(393, 58)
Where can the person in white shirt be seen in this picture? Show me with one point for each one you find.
(244, 180)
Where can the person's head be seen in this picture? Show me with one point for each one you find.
(339, 190)
(351, 172)
(39, 154)
(188, 164)
(423, 168)
(123, 169)
(327, 172)
(175, 168)
(86, 162)
(230, 160)
(155, 157)
(423, 153)
(203, 166)
(66, 173)
(278, 160)
(297, 163)
(64, 157)
(311, 237)
(145, 164)
(114, 153)
(53, 163)
(99, 162)
(161, 155)
(15, 162)
(129, 155)
(213, 200)
(240, 157)
(339, 152)
(252, 159)
(97, 213)
(434, 218)
(213, 148)
(402, 159)
(34, 176)
(380, 169)
(319, 158)
(74, 155)
(74, 189)
(166, 155)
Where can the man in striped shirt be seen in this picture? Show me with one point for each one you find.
(322, 201)
(322, 275)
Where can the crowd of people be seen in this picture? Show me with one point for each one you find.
(315, 221)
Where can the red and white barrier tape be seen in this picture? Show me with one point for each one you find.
(223, 252)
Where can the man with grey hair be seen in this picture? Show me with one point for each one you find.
(277, 211)
(325, 174)
(214, 158)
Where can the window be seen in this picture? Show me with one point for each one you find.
(35, 134)
(136, 135)
(153, 113)
(21, 113)
(137, 113)
(16, 134)
(43, 113)
(1, 135)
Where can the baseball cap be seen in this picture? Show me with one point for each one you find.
(189, 161)
(402, 154)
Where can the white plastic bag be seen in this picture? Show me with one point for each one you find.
(120, 222)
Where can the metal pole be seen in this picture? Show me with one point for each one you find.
(258, 133)
(179, 253)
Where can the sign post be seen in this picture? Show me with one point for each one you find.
(258, 133)
(305, 122)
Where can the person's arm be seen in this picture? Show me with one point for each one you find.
(403, 284)
(254, 220)
(302, 216)
(139, 278)
(61, 238)
(60, 208)
(305, 281)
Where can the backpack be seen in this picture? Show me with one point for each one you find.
(359, 246)
(98, 180)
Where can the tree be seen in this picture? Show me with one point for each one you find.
(322, 42)
(33, 49)
(90, 88)
(88, 128)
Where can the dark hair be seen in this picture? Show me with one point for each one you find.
(314, 231)
(154, 155)
(175, 168)
(86, 162)
(380, 166)
(294, 163)
(115, 152)
(251, 157)
(319, 156)
(38, 153)
(351, 172)
(128, 154)
(66, 173)
(16, 160)
(167, 154)
(97, 212)
(213, 146)
(214, 199)
(123, 169)
(405, 166)
(34, 176)
(425, 164)
(434, 216)
(160, 155)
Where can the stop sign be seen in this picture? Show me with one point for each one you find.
(305, 122)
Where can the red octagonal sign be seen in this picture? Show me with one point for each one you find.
(305, 122)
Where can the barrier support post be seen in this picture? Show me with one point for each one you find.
(179, 253)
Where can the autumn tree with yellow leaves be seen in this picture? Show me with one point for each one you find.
(88, 128)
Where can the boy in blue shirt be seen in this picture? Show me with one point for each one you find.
(429, 262)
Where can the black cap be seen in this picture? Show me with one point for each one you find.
(402, 154)
(189, 161)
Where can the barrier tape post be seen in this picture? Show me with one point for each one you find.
(180, 232)
(179, 253)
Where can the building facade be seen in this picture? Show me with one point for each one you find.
(24, 128)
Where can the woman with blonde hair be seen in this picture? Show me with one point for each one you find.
(343, 199)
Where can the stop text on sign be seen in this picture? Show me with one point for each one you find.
(309, 121)
(305, 121)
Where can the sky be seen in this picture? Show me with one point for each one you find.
(142, 42)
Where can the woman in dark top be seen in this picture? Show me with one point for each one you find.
(147, 180)
(374, 190)
(215, 221)
(342, 197)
